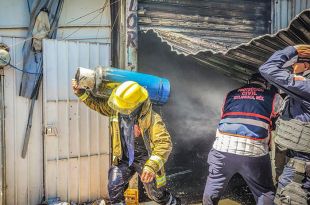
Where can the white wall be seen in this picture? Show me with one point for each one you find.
(95, 27)
(96, 30)
(14, 18)
(24, 177)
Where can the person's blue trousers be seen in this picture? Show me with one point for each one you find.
(256, 171)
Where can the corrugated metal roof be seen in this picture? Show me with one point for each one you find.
(244, 60)
(193, 26)
(236, 60)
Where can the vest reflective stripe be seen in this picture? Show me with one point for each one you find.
(246, 121)
(246, 114)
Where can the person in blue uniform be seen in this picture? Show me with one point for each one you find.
(242, 142)
(289, 70)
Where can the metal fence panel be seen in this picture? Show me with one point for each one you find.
(285, 10)
(24, 177)
(77, 151)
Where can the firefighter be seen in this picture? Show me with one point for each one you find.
(242, 142)
(289, 70)
(140, 140)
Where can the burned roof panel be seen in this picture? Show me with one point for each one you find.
(190, 27)
(235, 52)
(251, 55)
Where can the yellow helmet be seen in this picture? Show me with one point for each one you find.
(127, 97)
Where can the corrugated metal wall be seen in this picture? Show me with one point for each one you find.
(283, 11)
(79, 168)
(24, 177)
(77, 151)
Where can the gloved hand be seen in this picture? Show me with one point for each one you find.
(76, 88)
(303, 50)
(147, 175)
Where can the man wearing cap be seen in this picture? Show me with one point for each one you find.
(140, 140)
(289, 70)
(242, 142)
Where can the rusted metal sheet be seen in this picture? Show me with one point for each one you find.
(190, 27)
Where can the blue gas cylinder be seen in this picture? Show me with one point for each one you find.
(157, 87)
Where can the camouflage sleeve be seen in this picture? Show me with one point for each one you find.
(161, 139)
(95, 103)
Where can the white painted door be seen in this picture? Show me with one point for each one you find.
(76, 140)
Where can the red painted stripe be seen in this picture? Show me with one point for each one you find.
(247, 114)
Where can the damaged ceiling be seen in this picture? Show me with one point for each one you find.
(193, 26)
(232, 41)
(245, 59)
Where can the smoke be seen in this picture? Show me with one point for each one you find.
(197, 93)
(192, 112)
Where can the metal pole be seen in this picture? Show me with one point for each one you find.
(3, 150)
(28, 129)
(29, 123)
(116, 32)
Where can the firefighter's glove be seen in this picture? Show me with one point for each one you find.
(147, 175)
(303, 50)
(76, 88)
